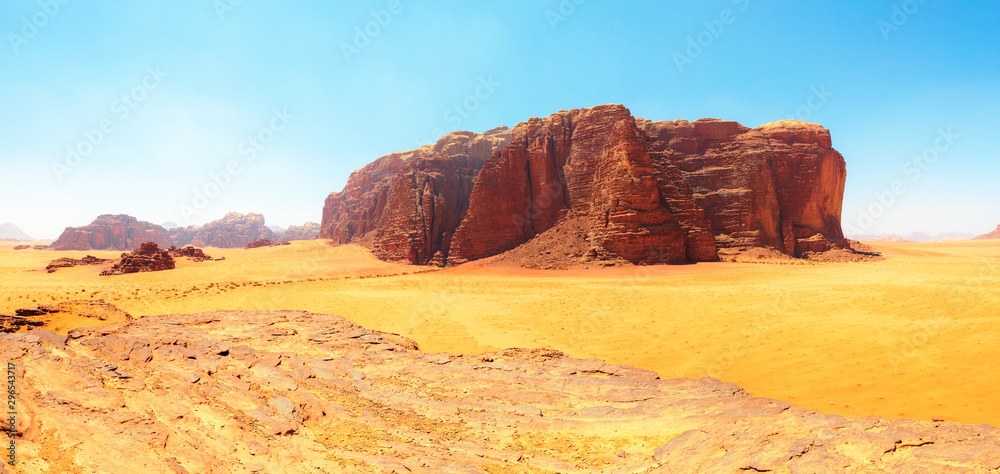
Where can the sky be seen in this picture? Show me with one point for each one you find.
(184, 110)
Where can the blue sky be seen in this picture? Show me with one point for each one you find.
(199, 78)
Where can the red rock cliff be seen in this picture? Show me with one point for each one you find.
(646, 192)
(111, 232)
(406, 206)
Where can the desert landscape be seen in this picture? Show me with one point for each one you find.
(529, 237)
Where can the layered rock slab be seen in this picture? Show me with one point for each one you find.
(292, 391)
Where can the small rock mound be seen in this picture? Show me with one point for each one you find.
(72, 262)
(264, 243)
(149, 258)
(22, 247)
(192, 253)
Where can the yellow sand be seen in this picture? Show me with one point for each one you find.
(913, 336)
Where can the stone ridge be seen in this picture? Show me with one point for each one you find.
(638, 191)
(271, 391)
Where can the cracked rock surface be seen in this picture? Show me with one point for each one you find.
(292, 391)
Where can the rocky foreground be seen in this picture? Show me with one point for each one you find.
(293, 391)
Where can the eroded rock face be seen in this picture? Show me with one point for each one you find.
(406, 206)
(307, 231)
(191, 253)
(111, 232)
(292, 391)
(148, 258)
(235, 230)
(644, 192)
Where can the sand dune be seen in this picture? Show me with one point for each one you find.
(911, 336)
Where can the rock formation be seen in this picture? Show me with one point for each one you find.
(22, 247)
(235, 230)
(188, 252)
(634, 190)
(148, 258)
(406, 206)
(111, 232)
(308, 231)
(72, 262)
(9, 231)
(264, 243)
(992, 235)
(291, 391)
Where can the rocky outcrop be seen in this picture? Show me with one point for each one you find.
(406, 206)
(992, 235)
(235, 230)
(639, 191)
(264, 243)
(308, 231)
(73, 262)
(111, 232)
(22, 247)
(148, 258)
(292, 391)
(191, 253)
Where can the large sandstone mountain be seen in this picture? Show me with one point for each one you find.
(307, 231)
(605, 185)
(291, 391)
(111, 232)
(235, 230)
(406, 206)
(992, 235)
(9, 231)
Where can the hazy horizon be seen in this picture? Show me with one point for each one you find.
(156, 107)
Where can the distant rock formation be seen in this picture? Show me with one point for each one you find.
(148, 258)
(22, 247)
(235, 230)
(992, 235)
(888, 238)
(302, 389)
(406, 206)
(307, 231)
(111, 232)
(191, 253)
(631, 189)
(10, 231)
(169, 225)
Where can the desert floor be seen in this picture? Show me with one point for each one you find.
(913, 336)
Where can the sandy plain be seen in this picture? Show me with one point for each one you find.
(912, 336)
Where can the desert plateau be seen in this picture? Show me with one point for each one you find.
(531, 237)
